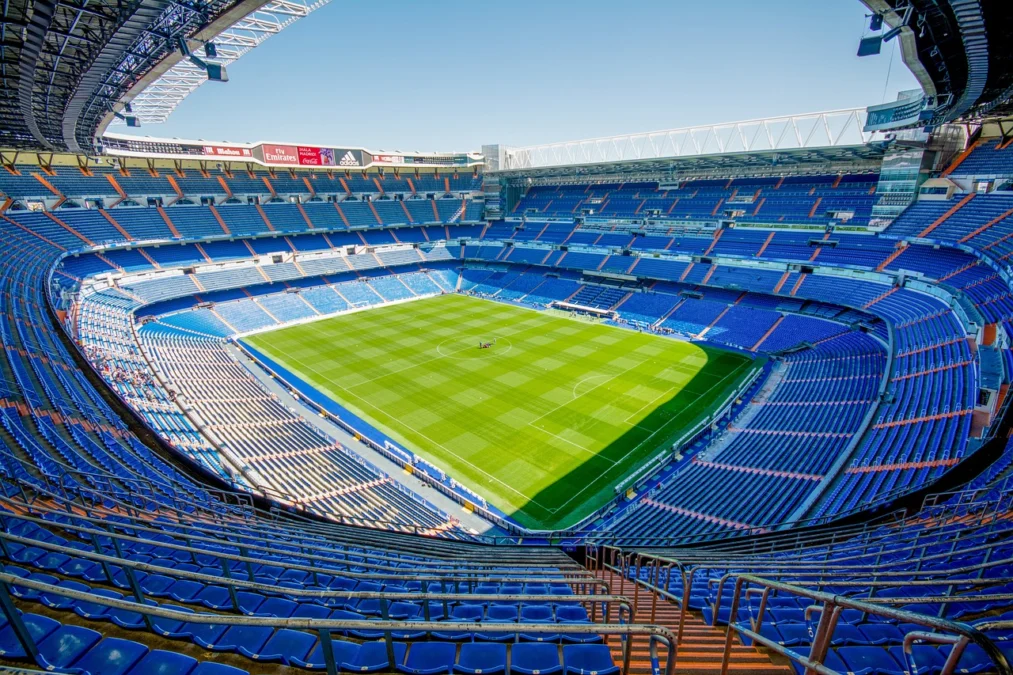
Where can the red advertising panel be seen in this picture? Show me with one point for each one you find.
(311, 156)
(280, 154)
(307, 155)
(388, 159)
(227, 151)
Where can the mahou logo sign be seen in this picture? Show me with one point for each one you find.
(226, 151)
(280, 154)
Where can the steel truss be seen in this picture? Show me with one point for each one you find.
(832, 129)
(68, 64)
(159, 99)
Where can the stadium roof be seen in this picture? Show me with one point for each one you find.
(67, 65)
(961, 51)
(775, 143)
(153, 99)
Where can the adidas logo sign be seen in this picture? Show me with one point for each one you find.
(348, 160)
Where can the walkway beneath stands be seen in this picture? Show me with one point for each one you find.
(434, 497)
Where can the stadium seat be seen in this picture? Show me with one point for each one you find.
(477, 658)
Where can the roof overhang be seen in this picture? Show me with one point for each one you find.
(772, 144)
(853, 158)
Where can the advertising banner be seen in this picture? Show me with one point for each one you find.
(227, 151)
(312, 156)
(906, 110)
(279, 154)
(350, 158)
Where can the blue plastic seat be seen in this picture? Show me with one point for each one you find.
(185, 590)
(927, 658)
(30, 594)
(93, 610)
(481, 658)
(429, 658)
(278, 607)
(588, 660)
(882, 634)
(528, 658)
(65, 645)
(157, 585)
(461, 614)
(847, 635)
(215, 597)
(499, 614)
(161, 662)
(249, 602)
(832, 661)
(538, 614)
(125, 618)
(570, 615)
(870, 661)
(111, 656)
(972, 661)
(371, 657)
(171, 628)
(38, 627)
(212, 668)
(344, 652)
(204, 634)
(56, 601)
(792, 634)
(282, 647)
(77, 567)
(403, 611)
(51, 561)
(311, 611)
(252, 637)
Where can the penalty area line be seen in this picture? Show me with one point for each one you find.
(639, 445)
(422, 435)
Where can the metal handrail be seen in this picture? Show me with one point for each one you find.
(704, 557)
(660, 569)
(830, 611)
(371, 536)
(231, 582)
(330, 558)
(326, 626)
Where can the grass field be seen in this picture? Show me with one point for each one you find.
(543, 424)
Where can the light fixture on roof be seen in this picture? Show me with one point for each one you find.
(873, 44)
(215, 71)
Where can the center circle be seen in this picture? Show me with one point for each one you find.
(470, 348)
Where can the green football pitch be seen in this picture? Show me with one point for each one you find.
(544, 423)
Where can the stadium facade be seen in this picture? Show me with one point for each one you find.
(732, 396)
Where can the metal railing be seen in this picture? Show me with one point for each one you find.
(598, 590)
(325, 627)
(313, 557)
(942, 631)
(73, 489)
(671, 577)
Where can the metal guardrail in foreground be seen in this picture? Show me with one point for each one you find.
(621, 564)
(314, 563)
(233, 584)
(324, 627)
(957, 634)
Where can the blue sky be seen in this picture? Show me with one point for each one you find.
(450, 75)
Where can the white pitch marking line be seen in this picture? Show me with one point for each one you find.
(439, 445)
(590, 377)
(637, 447)
(576, 445)
(597, 386)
